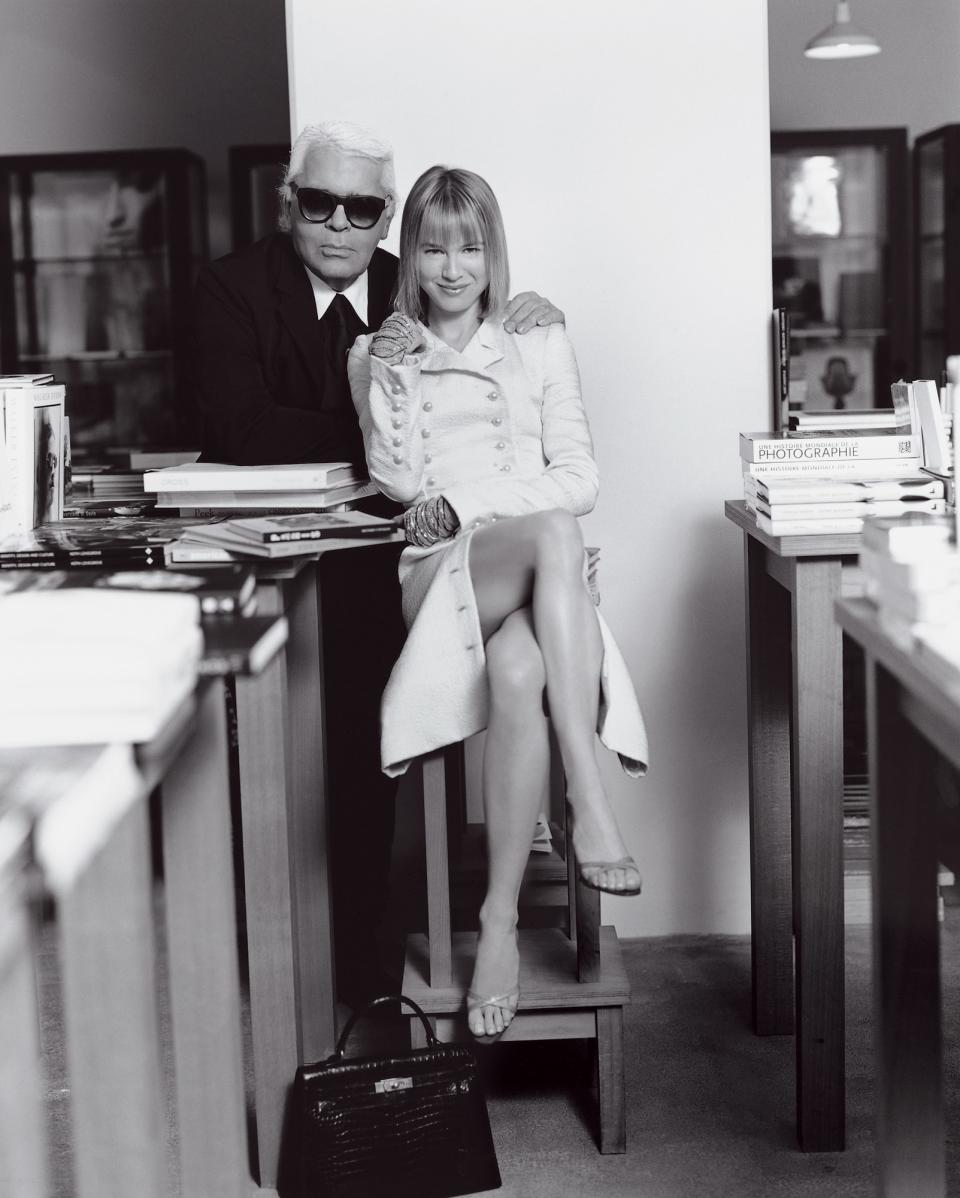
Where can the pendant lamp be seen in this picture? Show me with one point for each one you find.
(842, 39)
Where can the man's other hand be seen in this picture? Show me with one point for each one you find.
(527, 310)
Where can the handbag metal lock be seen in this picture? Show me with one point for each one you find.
(389, 1084)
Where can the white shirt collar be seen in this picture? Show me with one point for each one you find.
(356, 293)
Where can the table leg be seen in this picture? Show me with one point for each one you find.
(264, 785)
(768, 701)
(308, 820)
(906, 941)
(107, 949)
(204, 971)
(23, 1146)
(817, 770)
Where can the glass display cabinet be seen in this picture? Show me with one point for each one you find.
(98, 253)
(841, 263)
(256, 173)
(936, 242)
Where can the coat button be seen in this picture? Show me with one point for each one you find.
(431, 482)
(395, 407)
(497, 421)
(427, 458)
(493, 395)
(398, 441)
(501, 445)
(505, 469)
(398, 459)
(424, 432)
(428, 406)
(395, 389)
(397, 423)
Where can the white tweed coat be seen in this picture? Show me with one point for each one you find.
(499, 429)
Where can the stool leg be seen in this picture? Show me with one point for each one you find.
(613, 1122)
(438, 871)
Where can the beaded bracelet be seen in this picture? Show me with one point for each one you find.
(426, 523)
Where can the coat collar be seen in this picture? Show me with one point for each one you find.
(484, 349)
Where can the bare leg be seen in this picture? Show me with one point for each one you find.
(538, 559)
(516, 762)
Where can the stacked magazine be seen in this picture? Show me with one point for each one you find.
(120, 681)
(279, 536)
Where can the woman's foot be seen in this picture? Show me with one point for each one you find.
(599, 848)
(494, 993)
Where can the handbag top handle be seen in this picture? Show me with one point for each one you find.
(432, 1041)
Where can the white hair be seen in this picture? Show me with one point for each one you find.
(346, 137)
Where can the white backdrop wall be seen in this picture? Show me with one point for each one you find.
(628, 146)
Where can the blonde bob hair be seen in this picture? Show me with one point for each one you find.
(449, 203)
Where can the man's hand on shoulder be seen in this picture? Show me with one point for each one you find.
(528, 310)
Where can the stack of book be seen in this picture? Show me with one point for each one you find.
(278, 536)
(32, 437)
(830, 471)
(912, 571)
(107, 543)
(120, 681)
(210, 488)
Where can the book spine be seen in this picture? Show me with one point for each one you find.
(857, 468)
(77, 560)
(840, 508)
(792, 528)
(827, 449)
(315, 534)
(781, 363)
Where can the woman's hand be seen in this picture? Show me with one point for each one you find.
(432, 520)
(398, 335)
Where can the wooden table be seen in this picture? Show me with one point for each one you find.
(285, 819)
(913, 720)
(795, 711)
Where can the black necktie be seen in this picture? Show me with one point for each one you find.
(341, 326)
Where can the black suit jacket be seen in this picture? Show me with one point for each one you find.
(258, 377)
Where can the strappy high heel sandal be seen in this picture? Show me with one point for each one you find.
(505, 1003)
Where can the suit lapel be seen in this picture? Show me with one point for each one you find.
(298, 311)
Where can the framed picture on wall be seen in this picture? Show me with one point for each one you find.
(838, 377)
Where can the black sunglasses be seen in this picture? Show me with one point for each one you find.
(317, 206)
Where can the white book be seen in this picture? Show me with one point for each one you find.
(215, 476)
(928, 574)
(33, 419)
(909, 538)
(936, 446)
(854, 468)
(830, 421)
(816, 447)
(802, 491)
(783, 512)
(311, 500)
(811, 527)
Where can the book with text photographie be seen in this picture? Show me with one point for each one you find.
(228, 501)
(781, 513)
(853, 468)
(216, 476)
(762, 447)
(788, 490)
(221, 590)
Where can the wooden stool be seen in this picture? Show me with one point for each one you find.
(572, 981)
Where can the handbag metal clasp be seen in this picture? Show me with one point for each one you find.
(389, 1084)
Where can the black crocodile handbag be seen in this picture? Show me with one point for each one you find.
(413, 1125)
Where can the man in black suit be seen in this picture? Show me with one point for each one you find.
(272, 324)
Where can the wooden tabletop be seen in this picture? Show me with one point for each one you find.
(830, 544)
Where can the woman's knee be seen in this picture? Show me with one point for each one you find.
(559, 542)
(515, 669)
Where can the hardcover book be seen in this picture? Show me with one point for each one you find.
(816, 447)
(787, 490)
(214, 476)
(231, 500)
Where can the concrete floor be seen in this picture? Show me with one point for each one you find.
(710, 1105)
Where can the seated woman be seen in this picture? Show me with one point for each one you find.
(483, 437)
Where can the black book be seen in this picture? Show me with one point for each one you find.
(221, 590)
(107, 542)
